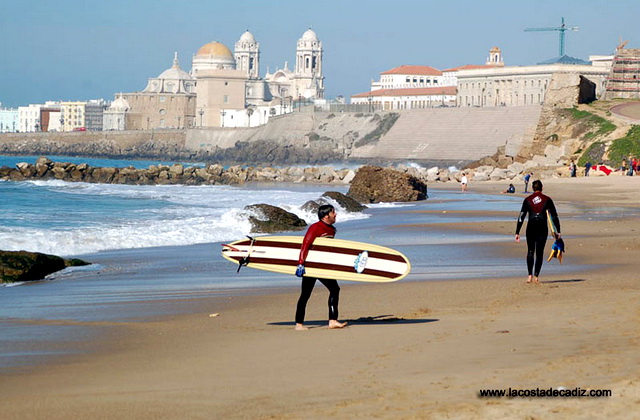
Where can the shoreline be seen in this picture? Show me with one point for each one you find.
(414, 349)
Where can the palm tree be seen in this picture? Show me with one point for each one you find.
(250, 111)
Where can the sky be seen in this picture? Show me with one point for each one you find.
(86, 49)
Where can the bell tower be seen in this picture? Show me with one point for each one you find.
(247, 55)
(308, 70)
(495, 57)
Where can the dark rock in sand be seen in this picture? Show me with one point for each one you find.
(23, 265)
(373, 184)
(272, 219)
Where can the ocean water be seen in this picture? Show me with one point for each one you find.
(156, 249)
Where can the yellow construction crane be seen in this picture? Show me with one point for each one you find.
(562, 29)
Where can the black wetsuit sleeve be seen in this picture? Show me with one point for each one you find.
(523, 215)
(553, 214)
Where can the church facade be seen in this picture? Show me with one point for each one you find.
(223, 88)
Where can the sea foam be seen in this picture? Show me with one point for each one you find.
(68, 219)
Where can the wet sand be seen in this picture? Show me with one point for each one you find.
(412, 349)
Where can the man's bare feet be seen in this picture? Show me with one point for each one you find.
(535, 280)
(335, 324)
(300, 327)
(529, 279)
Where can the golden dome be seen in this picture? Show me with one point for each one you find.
(215, 49)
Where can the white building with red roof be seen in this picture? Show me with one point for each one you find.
(407, 98)
(411, 86)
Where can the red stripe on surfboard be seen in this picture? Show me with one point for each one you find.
(322, 266)
(325, 248)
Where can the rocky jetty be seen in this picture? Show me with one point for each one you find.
(374, 184)
(23, 266)
(45, 169)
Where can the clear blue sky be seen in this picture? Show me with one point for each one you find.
(86, 49)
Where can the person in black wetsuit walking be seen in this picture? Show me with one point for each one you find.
(536, 206)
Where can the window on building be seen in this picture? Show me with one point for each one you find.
(408, 80)
(225, 99)
(161, 99)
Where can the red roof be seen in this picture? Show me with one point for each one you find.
(432, 91)
(469, 67)
(417, 70)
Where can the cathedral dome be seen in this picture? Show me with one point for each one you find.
(247, 37)
(120, 104)
(212, 56)
(309, 35)
(175, 72)
(214, 50)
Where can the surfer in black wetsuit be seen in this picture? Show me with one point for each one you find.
(536, 206)
(323, 228)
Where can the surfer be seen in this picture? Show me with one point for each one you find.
(536, 206)
(322, 228)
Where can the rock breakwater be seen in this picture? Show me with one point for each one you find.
(45, 169)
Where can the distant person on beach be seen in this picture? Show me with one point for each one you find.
(536, 206)
(323, 228)
(527, 177)
(587, 168)
(573, 168)
(463, 182)
(510, 190)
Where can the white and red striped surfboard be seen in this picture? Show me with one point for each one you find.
(328, 258)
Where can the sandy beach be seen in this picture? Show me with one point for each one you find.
(412, 350)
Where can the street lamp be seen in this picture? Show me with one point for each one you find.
(299, 103)
(369, 99)
(201, 112)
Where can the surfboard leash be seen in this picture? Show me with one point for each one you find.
(245, 261)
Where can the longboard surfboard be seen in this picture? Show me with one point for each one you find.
(328, 258)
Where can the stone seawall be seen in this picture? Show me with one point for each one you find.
(165, 144)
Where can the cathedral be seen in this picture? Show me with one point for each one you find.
(223, 89)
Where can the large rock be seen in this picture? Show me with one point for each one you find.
(373, 184)
(270, 219)
(346, 202)
(23, 265)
